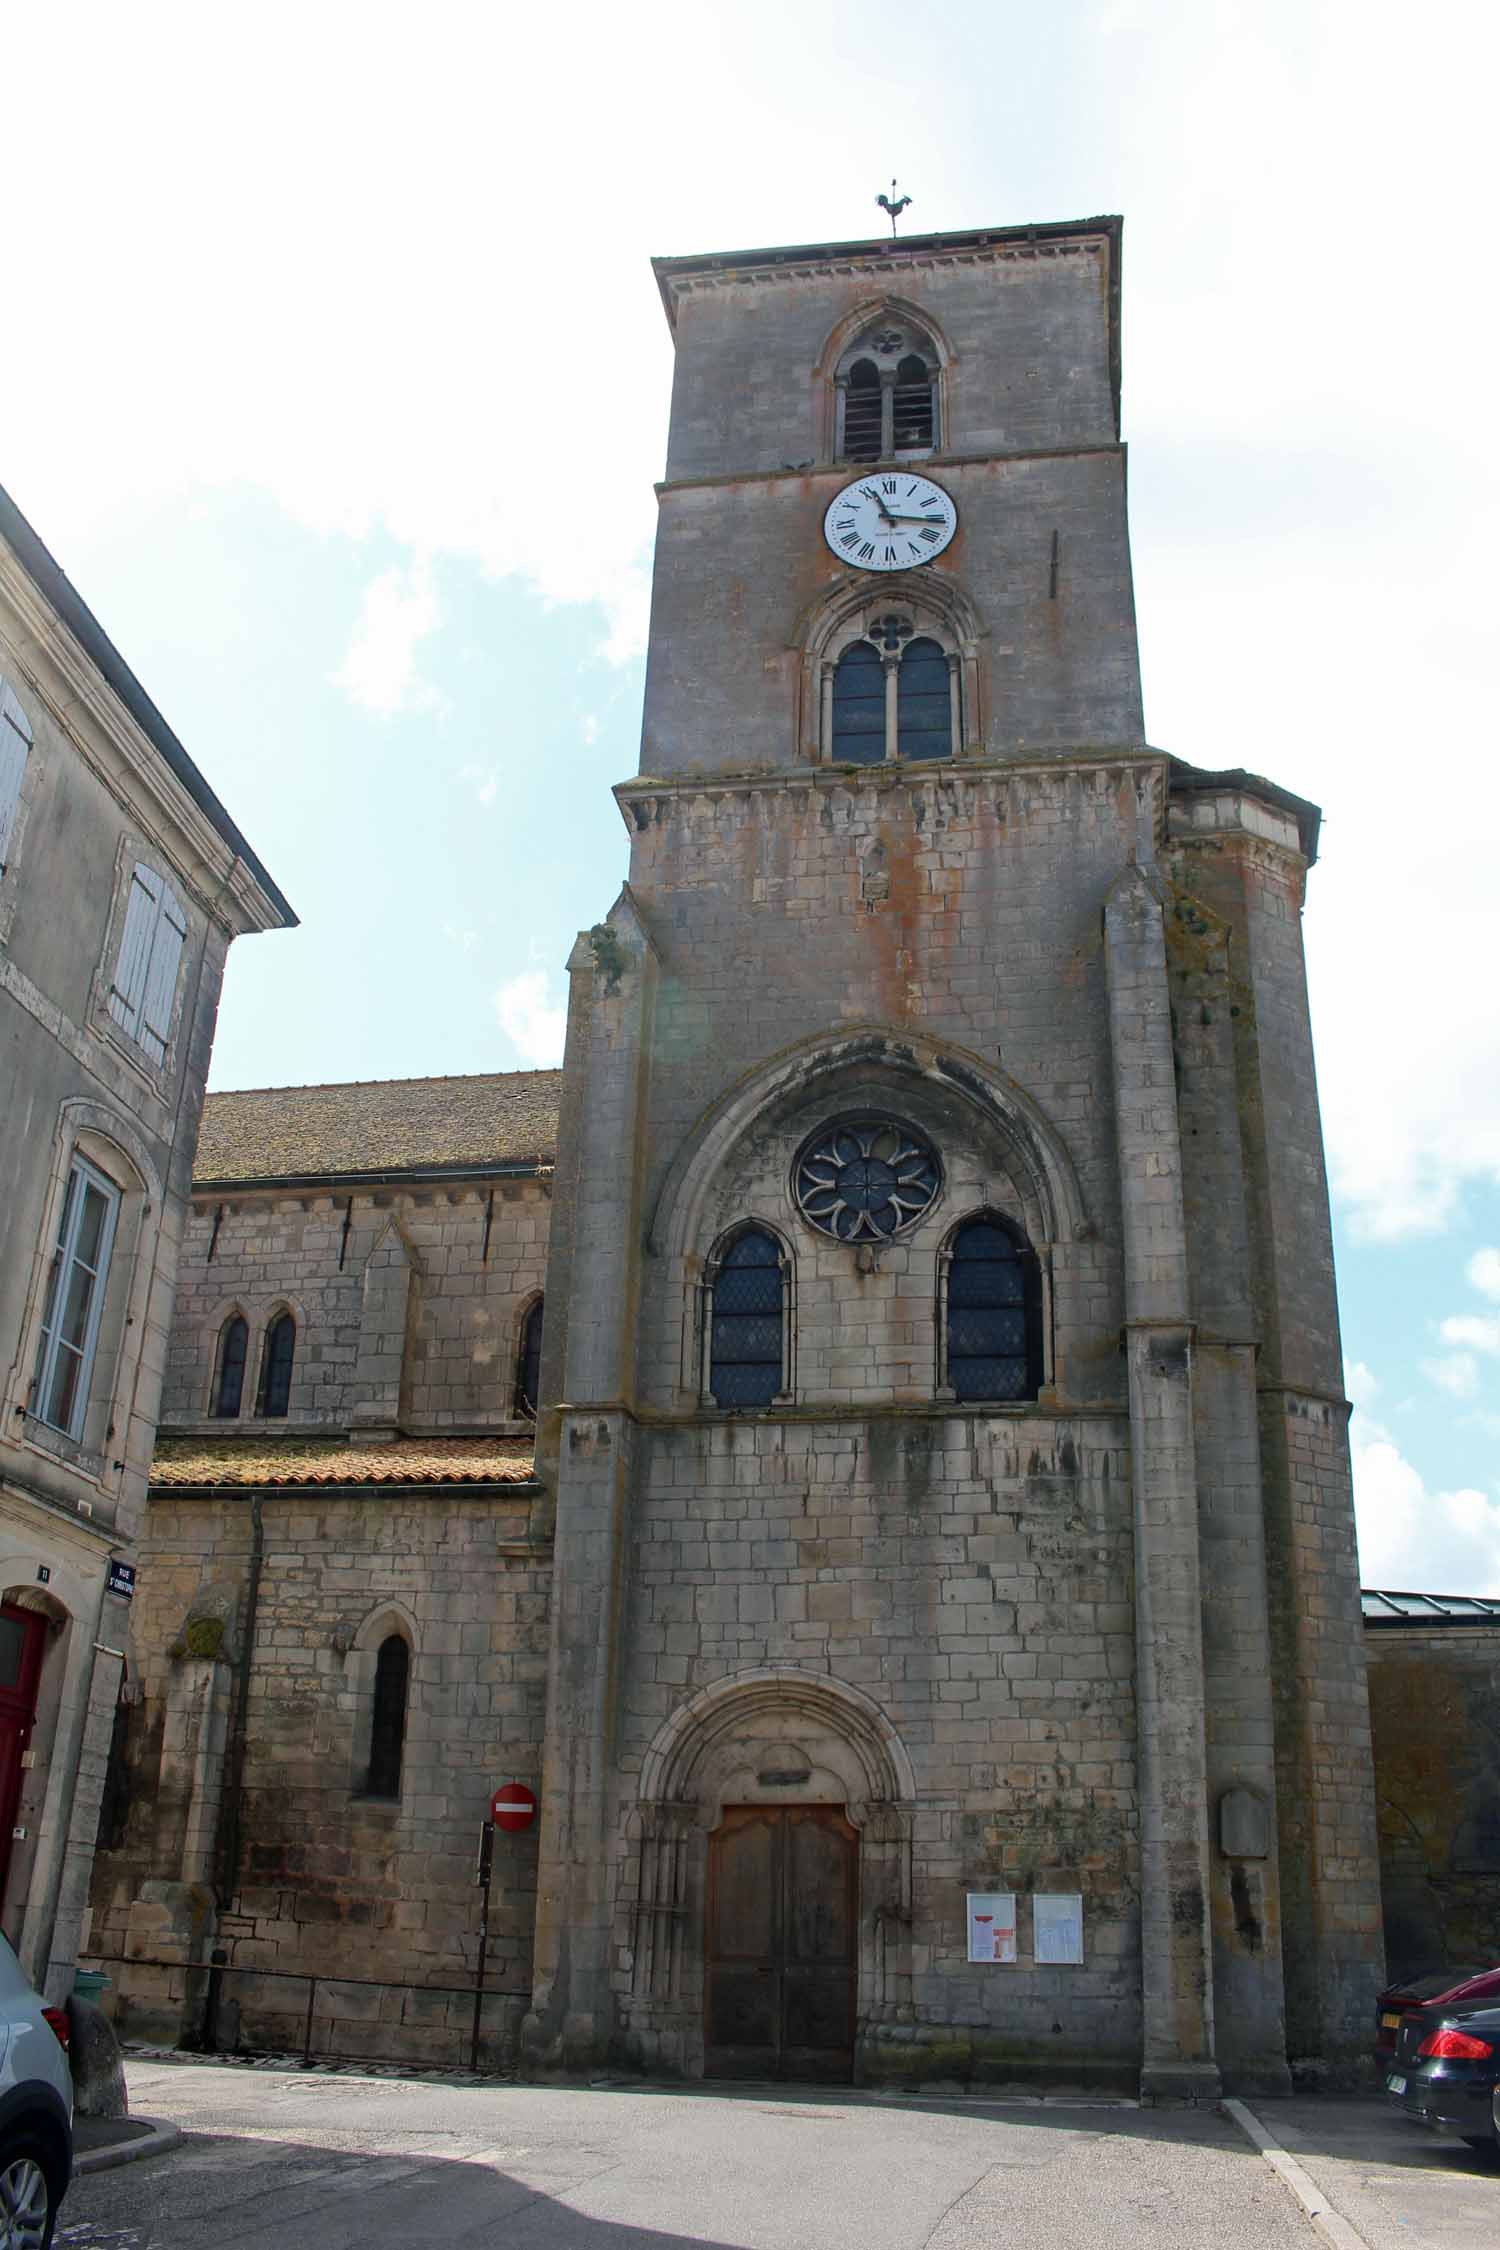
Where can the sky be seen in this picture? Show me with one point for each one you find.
(335, 376)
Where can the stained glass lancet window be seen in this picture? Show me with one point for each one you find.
(276, 1367)
(993, 1313)
(746, 1351)
(859, 706)
(924, 702)
(229, 1379)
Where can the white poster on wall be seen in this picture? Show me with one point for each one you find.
(992, 1925)
(1058, 1927)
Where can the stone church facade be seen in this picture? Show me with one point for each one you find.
(939, 1519)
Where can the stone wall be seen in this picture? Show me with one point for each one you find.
(1435, 1714)
(313, 1874)
(471, 1261)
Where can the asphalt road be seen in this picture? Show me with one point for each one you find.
(346, 2163)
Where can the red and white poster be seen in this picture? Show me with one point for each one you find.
(992, 1925)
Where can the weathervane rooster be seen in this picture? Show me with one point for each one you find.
(894, 205)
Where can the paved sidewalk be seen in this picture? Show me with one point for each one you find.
(1399, 2187)
(274, 2157)
(100, 2143)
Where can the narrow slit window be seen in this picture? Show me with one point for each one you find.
(276, 1368)
(529, 1363)
(745, 1340)
(924, 702)
(993, 1314)
(388, 1717)
(859, 706)
(229, 1377)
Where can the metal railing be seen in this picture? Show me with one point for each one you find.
(218, 1967)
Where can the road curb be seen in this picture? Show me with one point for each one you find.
(156, 2142)
(1331, 2224)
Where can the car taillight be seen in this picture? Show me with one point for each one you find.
(58, 2018)
(1453, 2046)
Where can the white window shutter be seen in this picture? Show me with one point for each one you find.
(161, 976)
(15, 745)
(128, 986)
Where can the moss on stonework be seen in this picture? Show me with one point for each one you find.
(201, 1636)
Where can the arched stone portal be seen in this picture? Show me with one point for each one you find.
(777, 1736)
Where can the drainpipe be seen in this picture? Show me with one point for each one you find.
(231, 1802)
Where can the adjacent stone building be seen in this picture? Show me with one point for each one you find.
(1435, 1713)
(941, 1508)
(122, 882)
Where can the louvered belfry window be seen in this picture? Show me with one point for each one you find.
(229, 1380)
(913, 404)
(746, 1348)
(862, 413)
(276, 1367)
(994, 1313)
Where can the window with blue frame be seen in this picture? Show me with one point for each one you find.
(746, 1324)
(994, 1313)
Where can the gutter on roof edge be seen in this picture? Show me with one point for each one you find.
(298, 1182)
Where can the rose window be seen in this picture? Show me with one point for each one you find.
(865, 1179)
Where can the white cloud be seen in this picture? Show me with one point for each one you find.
(1361, 1382)
(590, 728)
(1470, 1332)
(533, 1023)
(486, 782)
(1484, 1272)
(379, 671)
(1410, 1538)
(1458, 1373)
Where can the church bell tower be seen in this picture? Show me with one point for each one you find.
(956, 1661)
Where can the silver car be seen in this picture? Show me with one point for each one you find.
(36, 2111)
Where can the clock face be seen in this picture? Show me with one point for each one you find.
(890, 520)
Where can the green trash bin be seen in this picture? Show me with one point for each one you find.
(90, 1984)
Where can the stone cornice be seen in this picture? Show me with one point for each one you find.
(894, 774)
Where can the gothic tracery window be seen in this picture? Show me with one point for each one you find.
(865, 1178)
(886, 392)
(895, 693)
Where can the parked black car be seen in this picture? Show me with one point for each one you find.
(1445, 2070)
(1452, 1988)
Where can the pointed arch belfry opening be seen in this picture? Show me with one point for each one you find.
(883, 382)
(776, 1747)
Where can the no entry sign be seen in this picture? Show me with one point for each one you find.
(513, 1807)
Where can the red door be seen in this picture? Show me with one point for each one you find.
(23, 1636)
(781, 1966)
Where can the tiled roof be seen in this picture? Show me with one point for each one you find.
(260, 1463)
(379, 1125)
(1382, 1607)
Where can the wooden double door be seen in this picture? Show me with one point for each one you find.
(782, 1944)
(23, 1639)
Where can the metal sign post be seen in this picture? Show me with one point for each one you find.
(512, 1810)
(482, 1878)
